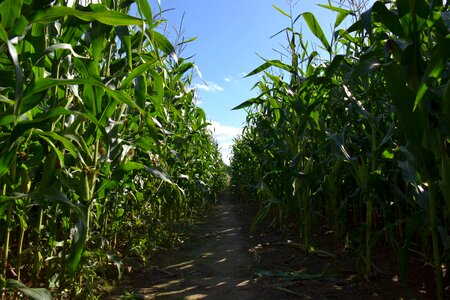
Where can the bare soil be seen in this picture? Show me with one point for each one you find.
(221, 261)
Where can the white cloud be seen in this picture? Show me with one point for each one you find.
(70, 3)
(224, 135)
(208, 87)
(227, 79)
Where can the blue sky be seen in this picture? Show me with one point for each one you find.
(230, 36)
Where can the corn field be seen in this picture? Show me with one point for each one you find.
(103, 153)
(356, 134)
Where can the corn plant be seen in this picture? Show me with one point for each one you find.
(358, 140)
(97, 123)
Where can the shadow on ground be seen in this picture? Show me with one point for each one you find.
(222, 262)
(217, 265)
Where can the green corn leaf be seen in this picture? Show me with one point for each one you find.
(160, 175)
(336, 9)
(146, 10)
(77, 246)
(19, 27)
(342, 13)
(106, 185)
(43, 84)
(245, 104)
(435, 67)
(411, 123)
(111, 108)
(67, 144)
(385, 16)
(269, 64)
(281, 11)
(80, 230)
(124, 98)
(141, 90)
(261, 215)
(366, 19)
(357, 26)
(3, 34)
(413, 16)
(39, 122)
(7, 155)
(10, 10)
(163, 43)
(158, 86)
(105, 16)
(19, 79)
(146, 143)
(125, 40)
(405, 16)
(14, 197)
(55, 196)
(131, 166)
(141, 69)
(154, 128)
(57, 151)
(340, 18)
(316, 29)
(183, 68)
(187, 41)
(33, 293)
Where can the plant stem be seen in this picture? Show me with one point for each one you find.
(37, 253)
(432, 205)
(7, 236)
(19, 254)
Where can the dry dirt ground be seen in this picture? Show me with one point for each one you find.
(221, 261)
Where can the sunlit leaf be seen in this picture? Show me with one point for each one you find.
(316, 29)
(105, 16)
(281, 11)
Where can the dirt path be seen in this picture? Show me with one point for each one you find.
(220, 261)
(217, 264)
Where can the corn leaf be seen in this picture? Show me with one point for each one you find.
(163, 43)
(105, 16)
(388, 18)
(269, 64)
(43, 84)
(435, 67)
(146, 10)
(281, 11)
(316, 29)
(77, 246)
(10, 11)
(141, 69)
(33, 293)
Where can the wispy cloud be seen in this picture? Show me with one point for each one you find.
(227, 79)
(208, 87)
(224, 135)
